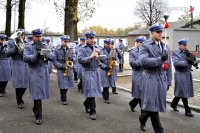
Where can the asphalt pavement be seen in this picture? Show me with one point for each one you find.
(72, 118)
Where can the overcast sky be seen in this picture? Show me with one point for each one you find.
(110, 13)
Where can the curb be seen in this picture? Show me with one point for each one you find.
(193, 107)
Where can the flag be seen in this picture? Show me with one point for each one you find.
(191, 9)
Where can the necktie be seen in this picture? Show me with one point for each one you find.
(159, 45)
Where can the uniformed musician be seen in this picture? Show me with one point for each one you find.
(91, 78)
(183, 61)
(5, 68)
(108, 69)
(20, 69)
(39, 72)
(155, 59)
(137, 68)
(63, 63)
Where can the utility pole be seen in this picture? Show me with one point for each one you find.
(191, 11)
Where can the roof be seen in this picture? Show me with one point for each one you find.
(139, 32)
(177, 24)
(145, 31)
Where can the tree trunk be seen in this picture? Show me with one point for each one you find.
(71, 19)
(8, 17)
(21, 14)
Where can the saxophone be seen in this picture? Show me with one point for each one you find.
(68, 64)
(112, 62)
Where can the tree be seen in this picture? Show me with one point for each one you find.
(8, 4)
(102, 31)
(73, 12)
(150, 11)
(8, 17)
(21, 13)
(71, 19)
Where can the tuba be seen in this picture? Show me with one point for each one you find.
(18, 41)
(112, 62)
(68, 64)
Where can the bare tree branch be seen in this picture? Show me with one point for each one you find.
(150, 11)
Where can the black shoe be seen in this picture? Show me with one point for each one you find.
(21, 106)
(142, 126)
(189, 114)
(132, 109)
(93, 116)
(1, 94)
(115, 93)
(64, 103)
(87, 109)
(38, 122)
(107, 101)
(175, 109)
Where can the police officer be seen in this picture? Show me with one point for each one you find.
(183, 77)
(108, 80)
(39, 72)
(5, 68)
(30, 39)
(63, 54)
(122, 49)
(75, 69)
(20, 70)
(90, 74)
(79, 66)
(137, 68)
(50, 64)
(155, 59)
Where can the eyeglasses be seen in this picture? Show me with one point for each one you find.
(159, 31)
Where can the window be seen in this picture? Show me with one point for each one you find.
(197, 48)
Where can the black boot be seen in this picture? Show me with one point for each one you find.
(120, 68)
(37, 110)
(131, 105)
(92, 108)
(114, 90)
(86, 104)
(63, 94)
(80, 86)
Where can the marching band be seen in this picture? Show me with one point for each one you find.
(29, 64)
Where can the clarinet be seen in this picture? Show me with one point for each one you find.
(191, 58)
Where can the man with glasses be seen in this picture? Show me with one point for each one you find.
(91, 73)
(20, 70)
(156, 78)
(39, 72)
(64, 53)
(5, 68)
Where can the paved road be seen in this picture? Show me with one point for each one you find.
(113, 118)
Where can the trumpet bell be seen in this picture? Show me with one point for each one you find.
(16, 35)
